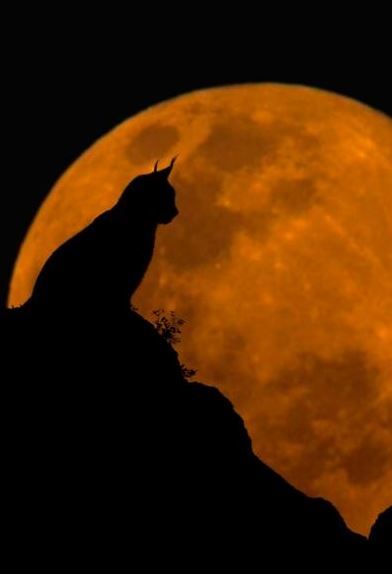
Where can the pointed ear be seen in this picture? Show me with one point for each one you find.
(173, 161)
(167, 170)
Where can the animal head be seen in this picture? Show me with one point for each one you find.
(151, 195)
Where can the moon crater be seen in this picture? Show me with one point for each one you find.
(152, 143)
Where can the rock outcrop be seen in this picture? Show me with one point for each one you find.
(112, 457)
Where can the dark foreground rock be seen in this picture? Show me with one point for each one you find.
(112, 459)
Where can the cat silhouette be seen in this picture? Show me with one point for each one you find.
(99, 268)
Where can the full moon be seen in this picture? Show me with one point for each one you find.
(280, 262)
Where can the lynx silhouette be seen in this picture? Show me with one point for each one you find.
(99, 269)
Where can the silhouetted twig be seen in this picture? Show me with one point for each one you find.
(169, 326)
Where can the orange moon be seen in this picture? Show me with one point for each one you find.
(280, 262)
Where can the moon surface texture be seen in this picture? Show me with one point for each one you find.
(280, 262)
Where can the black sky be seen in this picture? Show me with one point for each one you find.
(66, 85)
